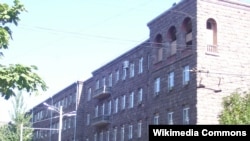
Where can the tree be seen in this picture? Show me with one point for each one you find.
(15, 76)
(236, 109)
(12, 131)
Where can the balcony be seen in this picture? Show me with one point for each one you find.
(101, 120)
(102, 92)
(212, 50)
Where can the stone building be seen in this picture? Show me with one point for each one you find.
(45, 116)
(196, 54)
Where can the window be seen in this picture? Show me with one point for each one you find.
(107, 135)
(140, 95)
(156, 119)
(95, 137)
(211, 37)
(172, 37)
(96, 111)
(123, 106)
(130, 131)
(109, 107)
(131, 100)
(110, 80)
(170, 118)
(186, 116)
(89, 94)
(97, 86)
(157, 86)
(132, 70)
(115, 134)
(187, 26)
(186, 75)
(101, 136)
(103, 108)
(122, 133)
(139, 126)
(117, 74)
(116, 105)
(88, 119)
(170, 81)
(124, 74)
(140, 70)
(104, 81)
(158, 48)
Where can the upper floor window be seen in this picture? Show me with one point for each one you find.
(140, 95)
(89, 94)
(186, 115)
(116, 105)
(124, 73)
(110, 80)
(187, 27)
(172, 38)
(130, 131)
(211, 36)
(186, 76)
(123, 106)
(132, 70)
(115, 134)
(109, 107)
(97, 85)
(139, 129)
(96, 111)
(88, 119)
(107, 135)
(104, 81)
(170, 81)
(140, 70)
(122, 133)
(131, 100)
(158, 48)
(157, 83)
(117, 74)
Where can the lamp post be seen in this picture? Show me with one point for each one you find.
(60, 111)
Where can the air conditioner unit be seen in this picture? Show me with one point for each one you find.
(125, 64)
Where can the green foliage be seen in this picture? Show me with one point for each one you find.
(12, 131)
(236, 109)
(15, 77)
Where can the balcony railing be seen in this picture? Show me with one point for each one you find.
(102, 92)
(101, 120)
(212, 50)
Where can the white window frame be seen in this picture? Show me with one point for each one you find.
(123, 106)
(186, 75)
(140, 70)
(131, 100)
(130, 131)
(124, 73)
(104, 81)
(157, 85)
(170, 118)
(140, 95)
(110, 80)
(115, 134)
(139, 130)
(156, 119)
(109, 107)
(116, 105)
(96, 111)
(131, 70)
(107, 135)
(171, 81)
(117, 74)
(186, 115)
(97, 86)
(89, 94)
(122, 133)
(103, 109)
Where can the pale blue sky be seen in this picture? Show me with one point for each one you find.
(68, 39)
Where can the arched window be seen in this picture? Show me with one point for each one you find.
(211, 36)
(187, 27)
(172, 38)
(159, 48)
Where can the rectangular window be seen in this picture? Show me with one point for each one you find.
(95, 137)
(109, 107)
(97, 86)
(156, 119)
(88, 119)
(103, 109)
(107, 136)
(170, 81)
(101, 136)
(122, 133)
(117, 74)
(139, 126)
(140, 65)
(140, 95)
(131, 100)
(170, 118)
(123, 106)
(96, 111)
(110, 80)
(186, 77)
(132, 70)
(124, 74)
(116, 105)
(104, 81)
(115, 134)
(186, 116)
(157, 86)
(130, 131)
(89, 94)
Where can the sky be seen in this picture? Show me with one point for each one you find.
(68, 39)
